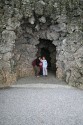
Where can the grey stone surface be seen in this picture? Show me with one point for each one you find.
(51, 79)
(32, 20)
(60, 105)
(24, 22)
(42, 19)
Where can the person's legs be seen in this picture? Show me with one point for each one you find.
(38, 70)
(43, 71)
(35, 69)
(46, 73)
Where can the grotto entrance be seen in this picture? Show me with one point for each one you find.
(29, 44)
(48, 49)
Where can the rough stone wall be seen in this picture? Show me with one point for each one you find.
(71, 58)
(58, 20)
(24, 52)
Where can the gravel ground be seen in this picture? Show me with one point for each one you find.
(51, 79)
(59, 105)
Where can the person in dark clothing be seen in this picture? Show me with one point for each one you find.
(41, 66)
(38, 61)
(36, 67)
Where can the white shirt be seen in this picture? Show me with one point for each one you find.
(44, 63)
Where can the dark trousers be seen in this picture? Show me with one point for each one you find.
(37, 70)
(41, 71)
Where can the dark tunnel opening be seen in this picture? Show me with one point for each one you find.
(48, 49)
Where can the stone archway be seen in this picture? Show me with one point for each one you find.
(48, 49)
(19, 49)
(19, 54)
(27, 44)
(26, 23)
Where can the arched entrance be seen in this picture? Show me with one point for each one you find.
(48, 49)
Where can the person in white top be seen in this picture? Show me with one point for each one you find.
(45, 64)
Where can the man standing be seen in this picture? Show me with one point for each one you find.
(36, 67)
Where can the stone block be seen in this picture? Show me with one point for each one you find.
(42, 19)
(39, 8)
(52, 35)
(59, 73)
(7, 56)
(32, 20)
(8, 35)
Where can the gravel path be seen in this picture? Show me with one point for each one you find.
(61, 105)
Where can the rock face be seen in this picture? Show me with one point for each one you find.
(24, 22)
